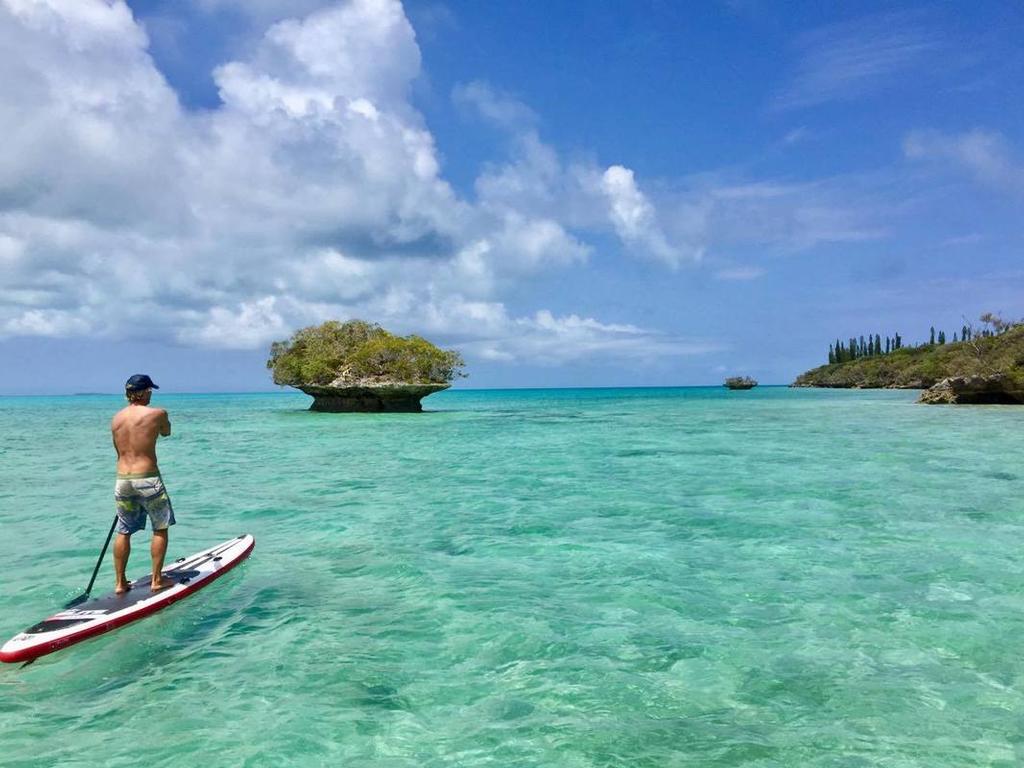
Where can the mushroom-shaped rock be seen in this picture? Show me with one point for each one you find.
(360, 367)
(740, 382)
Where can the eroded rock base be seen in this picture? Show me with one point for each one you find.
(371, 399)
(974, 390)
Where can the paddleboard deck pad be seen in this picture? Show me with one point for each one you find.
(102, 614)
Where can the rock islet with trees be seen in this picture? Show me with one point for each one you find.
(982, 364)
(357, 366)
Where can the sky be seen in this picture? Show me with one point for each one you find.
(593, 193)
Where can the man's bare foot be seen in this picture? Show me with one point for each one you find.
(164, 583)
(120, 589)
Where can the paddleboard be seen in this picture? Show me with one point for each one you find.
(102, 614)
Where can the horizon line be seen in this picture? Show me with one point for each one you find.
(460, 389)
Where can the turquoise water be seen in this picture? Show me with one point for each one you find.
(685, 577)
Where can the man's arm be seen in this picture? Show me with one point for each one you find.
(165, 424)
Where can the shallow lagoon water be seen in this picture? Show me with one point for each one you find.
(649, 577)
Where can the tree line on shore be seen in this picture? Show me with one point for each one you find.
(871, 345)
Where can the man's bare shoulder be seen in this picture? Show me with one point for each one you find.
(138, 414)
(158, 414)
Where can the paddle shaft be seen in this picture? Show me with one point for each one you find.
(99, 562)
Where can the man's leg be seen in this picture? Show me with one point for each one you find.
(122, 549)
(157, 549)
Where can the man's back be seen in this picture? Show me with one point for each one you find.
(135, 429)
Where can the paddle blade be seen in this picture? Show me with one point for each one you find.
(78, 600)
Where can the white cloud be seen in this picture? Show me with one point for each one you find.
(972, 239)
(720, 212)
(45, 322)
(546, 338)
(537, 182)
(264, 11)
(688, 217)
(796, 136)
(315, 190)
(11, 251)
(534, 181)
(740, 273)
(634, 217)
(843, 61)
(250, 324)
(499, 108)
(112, 190)
(533, 242)
(85, 117)
(756, 191)
(986, 155)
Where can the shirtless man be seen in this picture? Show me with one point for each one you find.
(139, 491)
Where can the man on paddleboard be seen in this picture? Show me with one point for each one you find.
(139, 491)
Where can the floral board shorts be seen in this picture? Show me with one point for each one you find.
(138, 497)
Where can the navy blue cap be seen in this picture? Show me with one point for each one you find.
(139, 382)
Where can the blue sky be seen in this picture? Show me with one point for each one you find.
(572, 194)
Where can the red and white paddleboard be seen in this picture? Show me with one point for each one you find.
(102, 614)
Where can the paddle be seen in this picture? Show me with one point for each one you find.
(85, 595)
